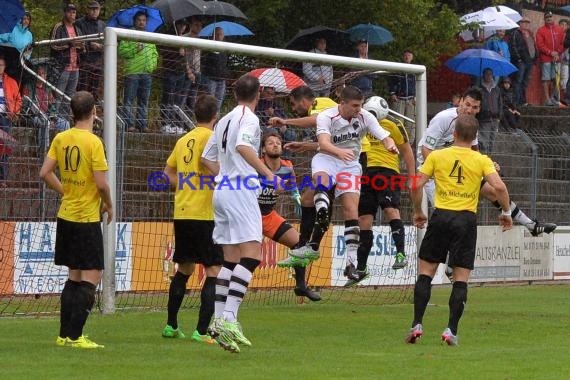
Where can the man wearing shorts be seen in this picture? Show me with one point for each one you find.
(238, 226)
(275, 226)
(80, 158)
(384, 165)
(193, 222)
(339, 133)
(453, 225)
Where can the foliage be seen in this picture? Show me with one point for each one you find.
(425, 27)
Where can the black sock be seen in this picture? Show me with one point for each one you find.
(366, 237)
(457, 301)
(422, 294)
(175, 297)
(83, 303)
(300, 277)
(308, 216)
(207, 298)
(398, 234)
(67, 300)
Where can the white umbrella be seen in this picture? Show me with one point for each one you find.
(509, 12)
(489, 20)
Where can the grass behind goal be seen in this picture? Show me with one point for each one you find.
(506, 333)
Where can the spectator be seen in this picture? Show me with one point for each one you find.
(510, 116)
(10, 104)
(498, 44)
(175, 83)
(549, 42)
(318, 77)
(42, 96)
(193, 56)
(523, 54)
(403, 96)
(20, 37)
(268, 107)
(454, 102)
(91, 65)
(564, 59)
(491, 111)
(66, 56)
(140, 61)
(363, 81)
(566, 51)
(215, 71)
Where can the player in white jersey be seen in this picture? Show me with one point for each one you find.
(339, 133)
(439, 134)
(237, 217)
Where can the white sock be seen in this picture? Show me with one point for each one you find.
(222, 287)
(238, 286)
(520, 216)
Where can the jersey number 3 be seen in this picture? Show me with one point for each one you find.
(456, 172)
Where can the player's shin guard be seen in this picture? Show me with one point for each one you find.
(398, 234)
(241, 276)
(207, 299)
(352, 239)
(457, 301)
(175, 296)
(85, 299)
(422, 294)
(364, 248)
(222, 287)
(68, 296)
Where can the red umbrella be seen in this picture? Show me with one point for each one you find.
(7, 143)
(281, 80)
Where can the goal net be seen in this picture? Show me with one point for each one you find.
(140, 244)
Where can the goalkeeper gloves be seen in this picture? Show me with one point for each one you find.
(297, 200)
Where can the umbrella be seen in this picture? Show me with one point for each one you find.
(509, 12)
(173, 10)
(373, 34)
(281, 80)
(7, 143)
(474, 61)
(221, 8)
(12, 13)
(565, 9)
(124, 18)
(230, 29)
(489, 19)
(338, 41)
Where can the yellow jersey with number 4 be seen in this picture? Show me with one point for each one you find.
(457, 172)
(78, 153)
(194, 192)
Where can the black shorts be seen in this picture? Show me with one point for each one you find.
(79, 245)
(193, 243)
(382, 193)
(454, 232)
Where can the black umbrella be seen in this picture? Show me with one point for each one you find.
(223, 9)
(338, 41)
(173, 10)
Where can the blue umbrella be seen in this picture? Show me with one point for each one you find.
(124, 18)
(373, 34)
(474, 61)
(230, 29)
(12, 13)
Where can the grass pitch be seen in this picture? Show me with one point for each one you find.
(506, 333)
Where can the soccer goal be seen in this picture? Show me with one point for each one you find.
(140, 244)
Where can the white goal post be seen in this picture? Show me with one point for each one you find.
(111, 38)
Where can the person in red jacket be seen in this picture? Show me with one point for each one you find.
(10, 104)
(549, 42)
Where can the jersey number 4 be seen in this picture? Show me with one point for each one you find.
(456, 172)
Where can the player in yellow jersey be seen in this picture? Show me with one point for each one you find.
(193, 221)
(80, 158)
(384, 165)
(453, 225)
